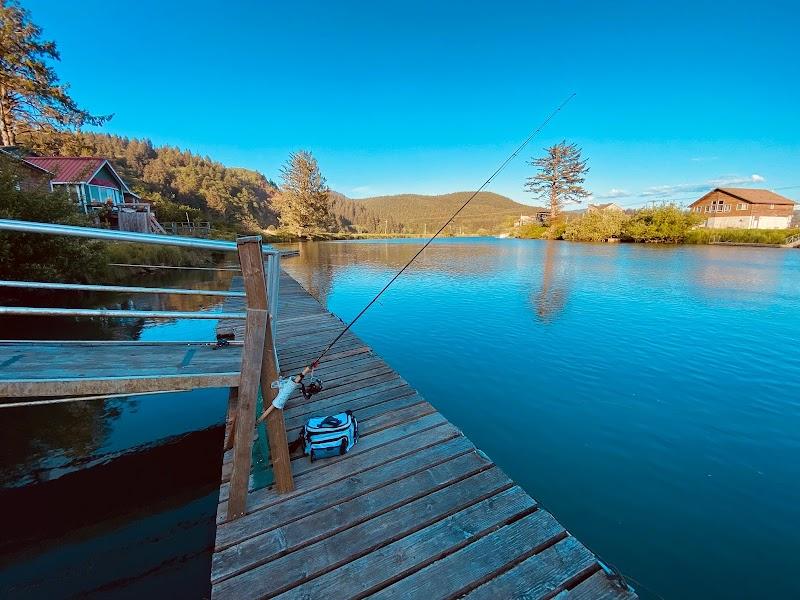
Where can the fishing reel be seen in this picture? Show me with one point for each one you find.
(314, 386)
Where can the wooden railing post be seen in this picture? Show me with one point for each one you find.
(276, 425)
(259, 370)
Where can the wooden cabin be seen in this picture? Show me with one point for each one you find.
(90, 181)
(744, 208)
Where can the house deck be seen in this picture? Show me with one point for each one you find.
(414, 510)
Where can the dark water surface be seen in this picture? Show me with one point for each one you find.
(648, 396)
(113, 498)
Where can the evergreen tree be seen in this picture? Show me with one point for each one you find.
(560, 177)
(31, 96)
(302, 200)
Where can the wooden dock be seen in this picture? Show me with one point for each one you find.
(413, 511)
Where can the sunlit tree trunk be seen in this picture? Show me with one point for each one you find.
(7, 135)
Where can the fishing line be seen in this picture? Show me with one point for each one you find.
(442, 228)
(286, 386)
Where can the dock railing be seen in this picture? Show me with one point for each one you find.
(260, 267)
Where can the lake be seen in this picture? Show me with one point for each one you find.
(113, 498)
(648, 396)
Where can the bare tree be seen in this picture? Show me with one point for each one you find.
(560, 177)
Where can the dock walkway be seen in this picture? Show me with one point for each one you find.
(413, 511)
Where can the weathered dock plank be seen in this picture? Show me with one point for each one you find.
(414, 510)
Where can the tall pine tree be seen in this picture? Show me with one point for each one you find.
(302, 201)
(31, 95)
(560, 177)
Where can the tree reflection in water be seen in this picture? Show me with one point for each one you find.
(551, 298)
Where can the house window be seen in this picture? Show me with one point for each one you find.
(100, 194)
(741, 206)
(708, 208)
(772, 207)
(726, 208)
(717, 206)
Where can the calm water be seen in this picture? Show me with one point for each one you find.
(113, 498)
(648, 396)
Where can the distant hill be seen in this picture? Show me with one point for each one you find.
(417, 213)
(180, 183)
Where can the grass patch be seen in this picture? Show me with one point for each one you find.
(740, 236)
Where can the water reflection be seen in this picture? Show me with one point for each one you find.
(61, 436)
(70, 328)
(116, 497)
(734, 274)
(551, 298)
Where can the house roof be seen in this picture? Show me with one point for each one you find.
(753, 196)
(603, 206)
(77, 169)
(69, 169)
(8, 152)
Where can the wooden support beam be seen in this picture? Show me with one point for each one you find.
(259, 369)
(230, 422)
(276, 425)
(246, 413)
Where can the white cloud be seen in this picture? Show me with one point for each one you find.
(663, 191)
(736, 180)
(615, 193)
(363, 190)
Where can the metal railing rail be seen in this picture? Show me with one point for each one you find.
(112, 235)
(271, 255)
(260, 269)
(111, 312)
(792, 239)
(82, 287)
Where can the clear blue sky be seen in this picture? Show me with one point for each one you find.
(429, 97)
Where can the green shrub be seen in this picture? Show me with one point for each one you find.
(740, 236)
(33, 256)
(666, 224)
(556, 230)
(532, 232)
(596, 226)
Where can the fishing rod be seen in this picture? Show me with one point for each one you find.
(288, 385)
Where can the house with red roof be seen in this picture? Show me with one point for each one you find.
(90, 181)
(744, 208)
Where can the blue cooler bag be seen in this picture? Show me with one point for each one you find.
(329, 436)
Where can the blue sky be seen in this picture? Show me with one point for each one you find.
(430, 97)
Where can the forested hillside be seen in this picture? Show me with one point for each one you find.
(417, 213)
(178, 182)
